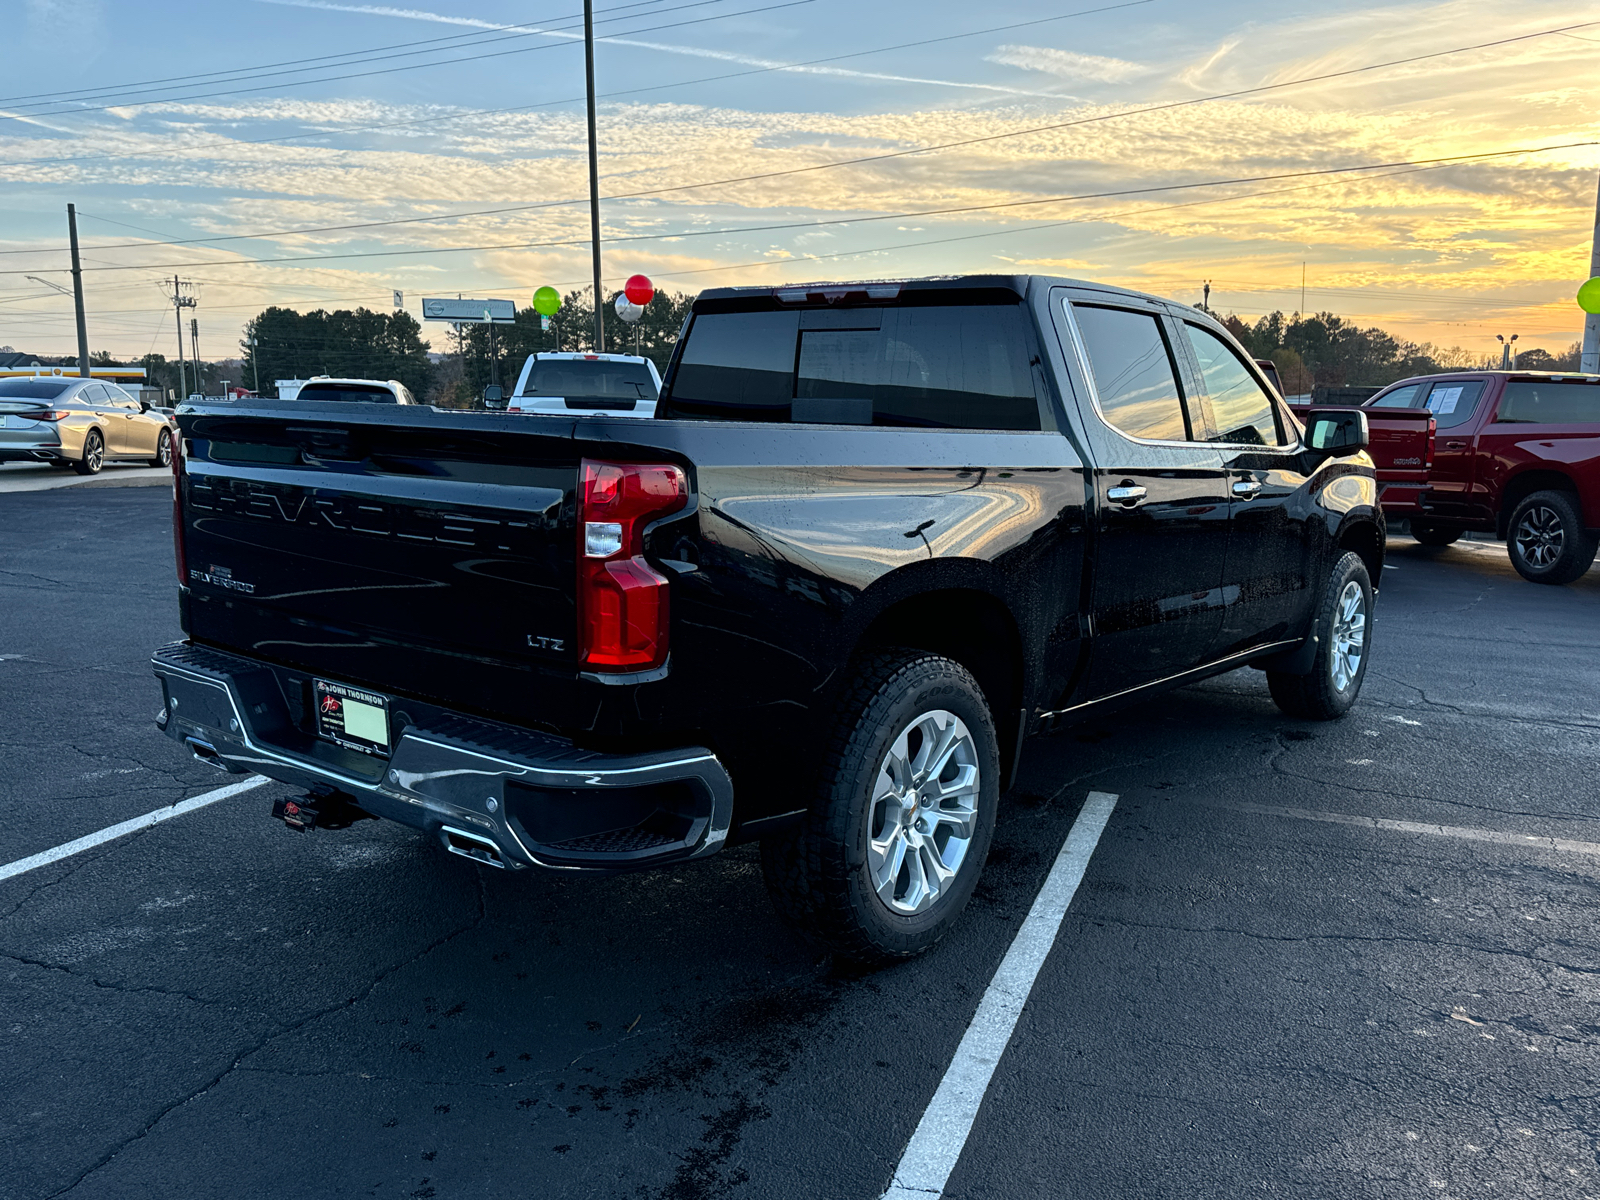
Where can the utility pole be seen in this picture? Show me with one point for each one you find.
(594, 179)
(179, 303)
(194, 353)
(255, 362)
(1590, 362)
(1302, 291)
(77, 292)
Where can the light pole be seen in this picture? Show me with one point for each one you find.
(255, 363)
(594, 179)
(1508, 357)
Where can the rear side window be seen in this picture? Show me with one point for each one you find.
(1133, 372)
(1402, 397)
(31, 389)
(348, 392)
(1242, 408)
(1550, 403)
(1452, 403)
(951, 367)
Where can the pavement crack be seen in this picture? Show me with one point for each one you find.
(284, 1031)
(107, 985)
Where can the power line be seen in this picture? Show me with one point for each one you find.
(490, 112)
(415, 66)
(766, 175)
(910, 215)
(254, 71)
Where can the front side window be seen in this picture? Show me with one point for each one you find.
(1452, 403)
(1243, 410)
(1133, 372)
(1550, 403)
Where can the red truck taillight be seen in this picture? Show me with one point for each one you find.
(622, 601)
(180, 560)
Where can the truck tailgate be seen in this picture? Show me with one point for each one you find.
(1401, 450)
(412, 552)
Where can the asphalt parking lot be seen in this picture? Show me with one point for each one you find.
(1346, 960)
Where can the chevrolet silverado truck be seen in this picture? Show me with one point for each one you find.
(1517, 454)
(877, 536)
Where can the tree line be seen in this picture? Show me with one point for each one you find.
(1327, 349)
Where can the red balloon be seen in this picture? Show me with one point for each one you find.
(639, 290)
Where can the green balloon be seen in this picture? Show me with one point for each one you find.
(546, 301)
(1589, 296)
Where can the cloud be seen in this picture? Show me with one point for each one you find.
(1068, 64)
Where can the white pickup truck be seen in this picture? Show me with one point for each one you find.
(563, 384)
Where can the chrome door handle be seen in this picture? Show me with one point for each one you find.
(1456, 445)
(1246, 488)
(1129, 494)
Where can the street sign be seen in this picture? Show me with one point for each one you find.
(470, 312)
(399, 299)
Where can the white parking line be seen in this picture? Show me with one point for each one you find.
(925, 1166)
(1465, 832)
(111, 832)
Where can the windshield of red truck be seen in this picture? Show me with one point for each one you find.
(962, 366)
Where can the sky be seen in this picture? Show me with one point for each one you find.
(328, 153)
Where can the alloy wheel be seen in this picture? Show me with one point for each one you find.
(923, 812)
(164, 449)
(1540, 537)
(94, 453)
(1349, 635)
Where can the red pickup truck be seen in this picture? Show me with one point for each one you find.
(1517, 454)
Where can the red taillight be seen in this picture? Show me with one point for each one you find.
(49, 414)
(178, 556)
(622, 602)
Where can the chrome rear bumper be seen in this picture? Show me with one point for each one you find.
(502, 795)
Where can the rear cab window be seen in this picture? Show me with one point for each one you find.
(349, 393)
(933, 358)
(590, 383)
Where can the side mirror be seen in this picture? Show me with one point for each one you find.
(494, 394)
(1337, 430)
(144, 406)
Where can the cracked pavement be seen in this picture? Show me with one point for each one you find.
(1240, 1002)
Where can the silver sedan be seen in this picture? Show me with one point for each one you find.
(67, 421)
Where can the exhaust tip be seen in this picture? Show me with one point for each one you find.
(471, 845)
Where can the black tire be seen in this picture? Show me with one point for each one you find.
(1433, 535)
(94, 454)
(163, 456)
(1547, 541)
(821, 874)
(1329, 690)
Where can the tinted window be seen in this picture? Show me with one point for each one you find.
(959, 366)
(953, 368)
(348, 392)
(590, 379)
(32, 389)
(1452, 403)
(737, 367)
(1402, 397)
(117, 396)
(93, 393)
(1241, 406)
(1550, 403)
(1133, 372)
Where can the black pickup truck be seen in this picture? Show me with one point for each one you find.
(876, 537)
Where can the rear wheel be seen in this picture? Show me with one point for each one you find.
(1433, 535)
(1548, 543)
(1343, 629)
(163, 456)
(94, 454)
(897, 836)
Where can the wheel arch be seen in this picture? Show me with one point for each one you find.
(967, 622)
(1524, 484)
(1367, 538)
